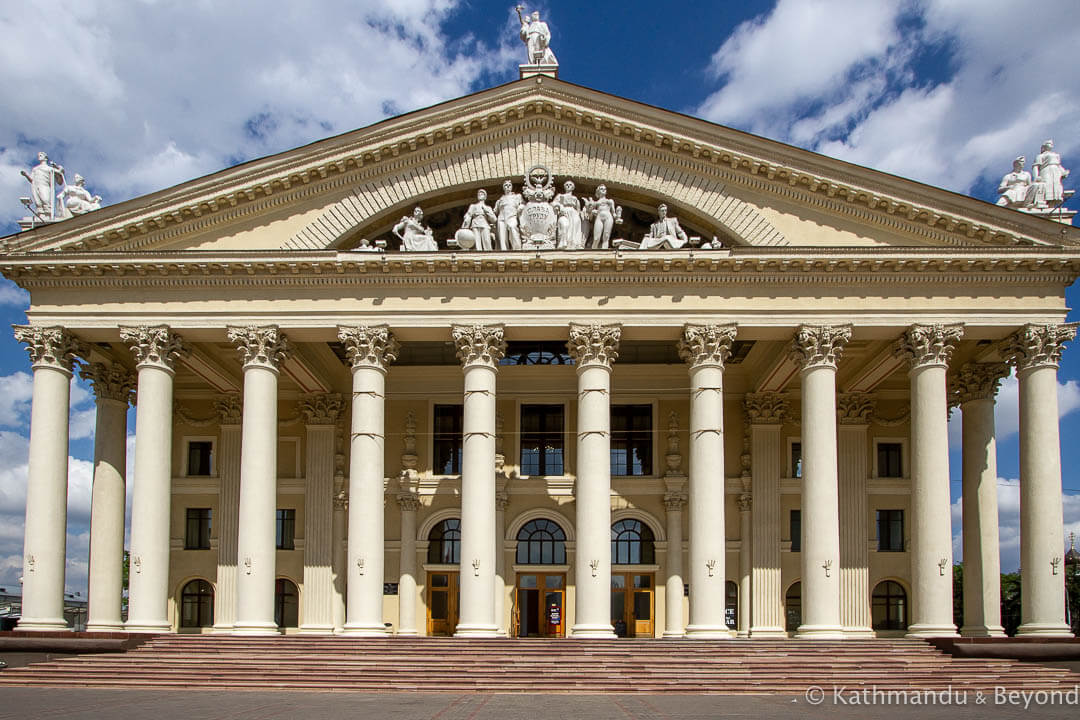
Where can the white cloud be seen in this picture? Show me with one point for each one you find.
(1007, 409)
(12, 294)
(15, 393)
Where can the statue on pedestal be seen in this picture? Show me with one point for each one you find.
(1049, 173)
(44, 178)
(77, 200)
(414, 236)
(537, 38)
(506, 212)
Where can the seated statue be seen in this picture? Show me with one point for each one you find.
(1015, 187)
(77, 200)
(414, 236)
(664, 234)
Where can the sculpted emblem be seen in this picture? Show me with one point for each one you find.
(537, 219)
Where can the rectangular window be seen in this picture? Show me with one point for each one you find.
(286, 529)
(889, 463)
(890, 530)
(796, 459)
(631, 439)
(199, 455)
(197, 532)
(542, 440)
(795, 529)
(448, 439)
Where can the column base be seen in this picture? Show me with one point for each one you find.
(1044, 630)
(926, 630)
(583, 630)
(370, 630)
(673, 634)
(316, 630)
(408, 633)
(708, 632)
(768, 633)
(982, 631)
(255, 628)
(859, 632)
(147, 627)
(117, 626)
(820, 632)
(477, 630)
(223, 629)
(742, 633)
(43, 625)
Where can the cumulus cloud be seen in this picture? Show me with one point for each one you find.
(1007, 409)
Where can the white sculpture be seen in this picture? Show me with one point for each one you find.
(1015, 186)
(537, 218)
(605, 215)
(414, 236)
(478, 219)
(44, 178)
(571, 231)
(537, 38)
(664, 234)
(1049, 173)
(77, 200)
(506, 212)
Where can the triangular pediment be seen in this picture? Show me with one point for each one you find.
(742, 189)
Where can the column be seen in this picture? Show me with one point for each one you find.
(746, 504)
(113, 387)
(705, 348)
(479, 347)
(321, 412)
(765, 414)
(854, 413)
(53, 352)
(674, 502)
(409, 503)
(974, 389)
(340, 554)
(226, 524)
(594, 348)
(370, 350)
(1036, 352)
(156, 350)
(502, 500)
(928, 349)
(262, 350)
(816, 349)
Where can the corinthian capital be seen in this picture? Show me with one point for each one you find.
(230, 409)
(594, 344)
(260, 346)
(321, 408)
(765, 408)
(928, 345)
(110, 382)
(1035, 346)
(976, 381)
(156, 346)
(51, 347)
(854, 408)
(706, 344)
(479, 344)
(819, 345)
(371, 346)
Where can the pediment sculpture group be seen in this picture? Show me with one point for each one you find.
(1039, 191)
(51, 197)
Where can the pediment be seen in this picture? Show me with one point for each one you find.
(743, 189)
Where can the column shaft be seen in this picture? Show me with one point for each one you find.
(107, 505)
(407, 576)
(854, 531)
(339, 558)
(228, 520)
(501, 500)
(673, 590)
(321, 413)
(766, 455)
(745, 566)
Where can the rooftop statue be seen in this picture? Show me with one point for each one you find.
(1039, 192)
(537, 38)
(44, 178)
(571, 225)
(537, 218)
(1049, 173)
(506, 213)
(605, 215)
(664, 234)
(1015, 187)
(414, 236)
(476, 227)
(77, 200)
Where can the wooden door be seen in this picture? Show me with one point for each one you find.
(442, 602)
(633, 604)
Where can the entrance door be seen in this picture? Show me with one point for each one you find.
(540, 602)
(442, 605)
(632, 604)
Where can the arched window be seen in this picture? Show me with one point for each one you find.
(632, 543)
(889, 606)
(286, 603)
(541, 542)
(197, 605)
(793, 607)
(731, 609)
(444, 543)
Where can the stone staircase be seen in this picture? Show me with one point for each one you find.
(534, 666)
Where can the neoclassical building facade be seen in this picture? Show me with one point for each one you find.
(354, 419)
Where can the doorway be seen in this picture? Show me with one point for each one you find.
(539, 605)
(442, 602)
(632, 604)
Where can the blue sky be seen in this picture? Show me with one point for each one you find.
(143, 95)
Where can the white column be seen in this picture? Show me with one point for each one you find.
(226, 523)
(1036, 352)
(817, 349)
(928, 349)
(674, 502)
(974, 389)
(502, 499)
(853, 413)
(262, 349)
(480, 347)
(370, 349)
(765, 412)
(594, 348)
(705, 348)
(53, 353)
(321, 414)
(746, 504)
(156, 350)
(113, 387)
(409, 504)
(340, 553)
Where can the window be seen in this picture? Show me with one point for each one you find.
(536, 353)
(197, 531)
(731, 609)
(888, 607)
(890, 530)
(796, 459)
(541, 542)
(632, 543)
(795, 530)
(200, 453)
(446, 450)
(542, 440)
(889, 464)
(444, 543)
(631, 440)
(286, 529)
(793, 607)
(197, 605)
(286, 603)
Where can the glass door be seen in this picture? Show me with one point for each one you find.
(442, 606)
(540, 605)
(632, 604)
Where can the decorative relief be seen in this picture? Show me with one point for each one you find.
(154, 346)
(409, 459)
(408, 501)
(745, 502)
(52, 347)
(502, 500)
(673, 457)
(260, 346)
(855, 408)
(321, 408)
(706, 344)
(500, 456)
(976, 381)
(341, 500)
(182, 416)
(1038, 345)
(230, 409)
(819, 345)
(479, 344)
(110, 382)
(675, 501)
(766, 408)
(928, 345)
(594, 344)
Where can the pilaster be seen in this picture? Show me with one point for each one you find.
(321, 413)
(854, 411)
(230, 413)
(765, 413)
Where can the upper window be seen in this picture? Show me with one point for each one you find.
(631, 440)
(286, 529)
(795, 530)
(536, 353)
(889, 462)
(632, 543)
(197, 530)
(444, 543)
(542, 440)
(200, 455)
(446, 449)
(796, 459)
(890, 530)
(541, 542)
(197, 605)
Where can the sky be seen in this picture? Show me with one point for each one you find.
(144, 94)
